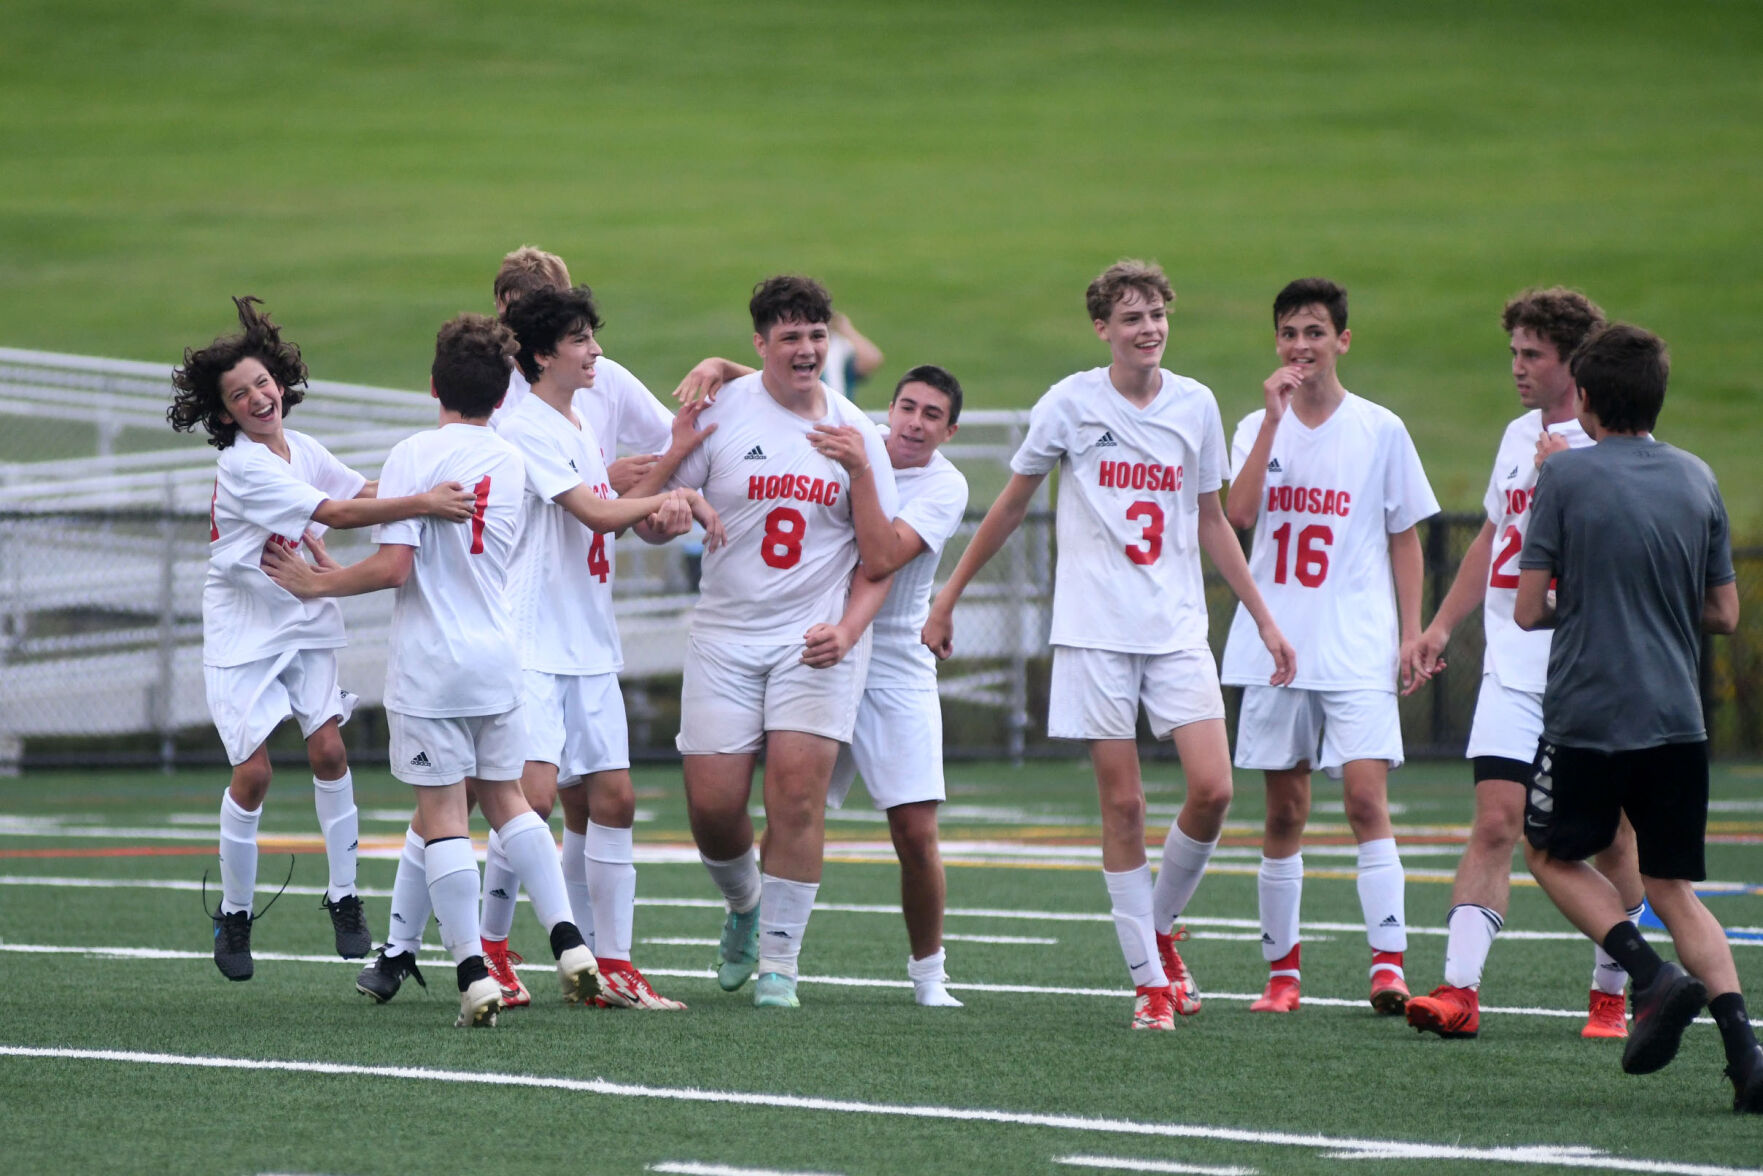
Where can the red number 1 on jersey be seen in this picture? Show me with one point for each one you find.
(1311, 566)
(482, 490)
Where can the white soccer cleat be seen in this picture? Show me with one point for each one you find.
(622, 986)
(579, 974)
(479, 1004)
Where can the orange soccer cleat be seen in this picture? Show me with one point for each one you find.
(1186, 993)
(1448, 1011)
(1607, 1017)
(500, 962)
(1154, 1008)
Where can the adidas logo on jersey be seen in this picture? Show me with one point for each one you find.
(1390, 921)
(755, 454)
(572, 468)
(420, 760)
(1107, 439)
(1273, 466)
(1514, 472)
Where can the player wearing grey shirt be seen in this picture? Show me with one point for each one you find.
(1634, 534)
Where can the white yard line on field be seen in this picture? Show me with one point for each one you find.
(1121, 1164)
(1332, 1146)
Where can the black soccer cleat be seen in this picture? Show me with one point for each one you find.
(1747, 1083)
(1662, 1011)
(382, 978)
(350, 925)
(232, 944)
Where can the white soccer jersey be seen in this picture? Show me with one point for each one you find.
(1518, 659)
(622, 413)
(518, 390)
(560, 579)
(1128, 575)
(258, 497)
(452, 646)
(1321, 558)
(933, 498)
(791, 547)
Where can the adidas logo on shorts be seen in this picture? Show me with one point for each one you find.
(755, 454)
(1107, 439)
(1273, 466)
(420, 760)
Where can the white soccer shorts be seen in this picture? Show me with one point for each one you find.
(433, 753)
(1096, 693)
(1280, 728)
(248, 702)
(731, 695)
(1507, 722)
(575, 721)
(897, 745)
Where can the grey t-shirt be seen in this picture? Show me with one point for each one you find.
(1635, 532)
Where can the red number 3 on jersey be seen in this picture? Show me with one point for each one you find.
(1152, 538)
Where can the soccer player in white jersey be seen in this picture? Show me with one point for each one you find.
(778, 612)
(1544, 326)
(267, 656)
(453, 684)
(1140, 454)
(561, 595)
(1333, 487)
(898, 741)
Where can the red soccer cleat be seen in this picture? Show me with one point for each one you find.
(1607, 1017)
(1448, 1011)
(1154, 1008)
(1389, 988)
(623, 987)
(500, 962)
(1185, 992)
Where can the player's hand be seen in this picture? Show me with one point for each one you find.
(1421, 658)
(320, 556)
(1277, 390)
(714, 534)
(826, 646)
(1549, 444)
(841, 443)
(939, 634)
(703, 382)
(626, 472)
(287, 569)
(1285, 658)
(685, 432)
(450, 501)
(672, 520)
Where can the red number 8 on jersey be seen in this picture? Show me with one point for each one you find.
(781, 545)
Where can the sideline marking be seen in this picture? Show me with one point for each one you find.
(1339, 1147)
(1120, 1164)
(694, 1168)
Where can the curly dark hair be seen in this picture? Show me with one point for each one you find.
(470, 370)
(1564, 317)
(198, 401)
(788, 298)
(542, 318)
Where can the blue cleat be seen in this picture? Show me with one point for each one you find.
(739, 953)
(774, 990)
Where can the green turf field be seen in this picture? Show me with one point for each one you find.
(151, 1062)
(956, 172)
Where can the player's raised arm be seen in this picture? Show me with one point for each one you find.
(884, 544)
(685, 436)
(1006, 514)
(1243, 504)
(449, 501)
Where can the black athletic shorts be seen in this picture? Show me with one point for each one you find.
(1576, 798)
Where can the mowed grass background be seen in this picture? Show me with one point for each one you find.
(955, 172)
(1335, 1070)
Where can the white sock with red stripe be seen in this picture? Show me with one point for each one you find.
(1381, 897)
(1280, 886)
(1129, 898)
(612, 885)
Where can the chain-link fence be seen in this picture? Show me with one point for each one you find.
(101, 645)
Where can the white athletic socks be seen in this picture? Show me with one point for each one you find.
(928, 978)
(341, 825)
(1470, 934)
(410, 899)
(1129, 896)
(575, 884)
(784, 907)
(1381, 897)
(501, 890)
(238, 854)
(1280, 884)
(737, 878)
(1184, 862)
(452, 879)
(612, 888)
(1608, 976)
(533, 855)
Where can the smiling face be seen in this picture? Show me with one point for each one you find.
(918, 422)
(792, 354)
(1540, 372)
(252, 400)
(571, 365)
(1306, 338)
(1136, 330)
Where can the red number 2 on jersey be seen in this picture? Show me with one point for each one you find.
(1512, 543)
(781, 545)
(1152, 538)
(482, 490)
